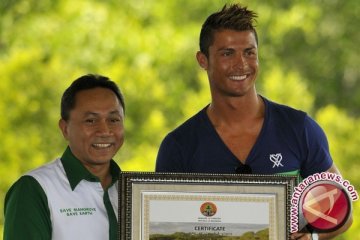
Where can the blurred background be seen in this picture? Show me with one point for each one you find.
(309, 59)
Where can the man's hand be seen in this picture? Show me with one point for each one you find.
(301, 236)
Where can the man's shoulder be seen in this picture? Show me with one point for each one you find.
(25, 182)
(30, 180)
(278, 110)
(190, 125)
(47, 170)
(26, 187)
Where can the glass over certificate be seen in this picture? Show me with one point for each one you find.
(169, 206)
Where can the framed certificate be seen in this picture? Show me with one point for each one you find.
(154, 206)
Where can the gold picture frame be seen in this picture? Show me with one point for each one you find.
(159, 205)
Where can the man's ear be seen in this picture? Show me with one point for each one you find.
(202, 60)
(63, 127)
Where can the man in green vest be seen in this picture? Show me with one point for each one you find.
(74, 196)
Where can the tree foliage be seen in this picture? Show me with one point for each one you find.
(308, 57)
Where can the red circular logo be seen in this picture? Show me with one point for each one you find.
(325, 206)
(208, 209)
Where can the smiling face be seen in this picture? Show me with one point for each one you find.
(232, 65)
(95, 129)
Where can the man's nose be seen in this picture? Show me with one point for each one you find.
(240, 61)
(103, 128)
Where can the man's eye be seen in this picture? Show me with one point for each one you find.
(90, 120)
(115, 120)
(250, 53)
(227, 53)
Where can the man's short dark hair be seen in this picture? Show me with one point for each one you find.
(233, 17)
(86, 82)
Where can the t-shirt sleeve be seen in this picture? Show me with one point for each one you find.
(26, 210)
(318, 158)
(169, 156)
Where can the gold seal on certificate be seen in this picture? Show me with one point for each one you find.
(208, 209)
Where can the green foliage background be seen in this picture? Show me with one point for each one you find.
(308, 52)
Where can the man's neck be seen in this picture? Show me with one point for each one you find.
(103, 173)
(234, 110)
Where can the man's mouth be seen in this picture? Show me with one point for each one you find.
(101, 145)
(238, 77)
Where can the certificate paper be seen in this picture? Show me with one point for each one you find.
(198, 214)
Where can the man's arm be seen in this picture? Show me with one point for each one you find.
(27, 215)
(169, 156)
